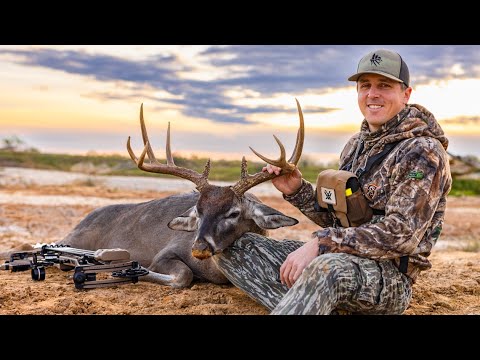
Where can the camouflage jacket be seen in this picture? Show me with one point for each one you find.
(410, 184)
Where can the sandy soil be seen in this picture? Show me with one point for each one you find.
(31, 213)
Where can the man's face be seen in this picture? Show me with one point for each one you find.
(380, 99)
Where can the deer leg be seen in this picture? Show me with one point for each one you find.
(157, 278)
(171, 272)
(23, 247)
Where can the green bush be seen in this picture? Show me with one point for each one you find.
(465, 187)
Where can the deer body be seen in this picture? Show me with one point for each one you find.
(175, 237)
(145, 230)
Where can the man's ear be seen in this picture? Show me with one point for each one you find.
(267, 217)
(186, 222)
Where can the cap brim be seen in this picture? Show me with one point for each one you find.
(357, 75)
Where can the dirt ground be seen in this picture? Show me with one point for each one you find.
(452, 286)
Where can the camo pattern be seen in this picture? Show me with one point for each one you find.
(411, 184)
(330, 284)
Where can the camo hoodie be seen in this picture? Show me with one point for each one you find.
(410, 184)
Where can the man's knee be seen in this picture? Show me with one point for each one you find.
(337, 270)
(329, 264)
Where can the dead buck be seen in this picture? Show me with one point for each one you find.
(212, 218)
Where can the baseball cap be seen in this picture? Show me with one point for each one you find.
(383, 62)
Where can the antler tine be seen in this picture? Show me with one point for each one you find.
(167, 148)
(248, 181)
(151, 155)
(282, 161)
(297, 152)
(130, 151)
(200, 180)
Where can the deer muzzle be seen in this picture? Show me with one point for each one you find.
(201, 249)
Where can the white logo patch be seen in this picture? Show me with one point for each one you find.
(328, 195)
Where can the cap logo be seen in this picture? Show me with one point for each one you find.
(375, 59)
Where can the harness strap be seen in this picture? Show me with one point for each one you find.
(336, 220)
(316, 205)
(403, 264)
(376, 158)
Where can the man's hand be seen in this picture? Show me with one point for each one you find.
(288, 183)
(296, 261)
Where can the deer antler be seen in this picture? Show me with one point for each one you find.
(201, 180)
(248, 181)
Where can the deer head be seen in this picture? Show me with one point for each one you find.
(222, 213)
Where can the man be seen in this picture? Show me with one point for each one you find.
(367, 269)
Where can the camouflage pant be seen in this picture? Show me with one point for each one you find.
(330, 284)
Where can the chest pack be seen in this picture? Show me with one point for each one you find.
(340, 193)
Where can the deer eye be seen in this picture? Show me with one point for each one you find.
(233, 215)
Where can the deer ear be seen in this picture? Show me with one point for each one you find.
(186, 222)
(269, 218)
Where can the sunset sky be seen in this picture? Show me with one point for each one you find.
(218, 99)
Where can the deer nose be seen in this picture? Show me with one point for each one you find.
(201, 249)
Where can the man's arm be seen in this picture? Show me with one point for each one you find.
(299, 193)
(411, 207)
(304, 196)
(304, 200)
